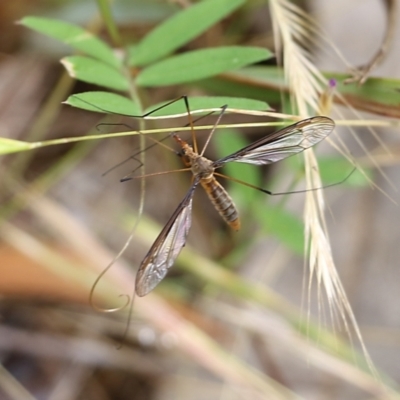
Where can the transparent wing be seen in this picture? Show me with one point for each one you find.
(166, 247)
(284, 143)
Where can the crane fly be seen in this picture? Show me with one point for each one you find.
(272, 148)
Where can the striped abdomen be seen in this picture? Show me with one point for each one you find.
(222, 201)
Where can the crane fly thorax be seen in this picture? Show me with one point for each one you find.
(202, 167)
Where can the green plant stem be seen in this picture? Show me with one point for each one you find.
(109, 22)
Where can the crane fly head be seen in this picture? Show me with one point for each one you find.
(187, 149)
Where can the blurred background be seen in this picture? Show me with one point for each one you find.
(234, 318)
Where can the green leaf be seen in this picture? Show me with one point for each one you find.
(269, 76)
(223, 85)
(180, 29)
(92, 71)
(104, 102)
(206, 102)
(74, 36)
(200, 64)
(376, 95)
(8, 146)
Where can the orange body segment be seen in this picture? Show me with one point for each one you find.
(222, 202)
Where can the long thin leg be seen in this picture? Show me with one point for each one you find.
(223, 109)
(156, 142)
(128, 177)
(282, 193)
